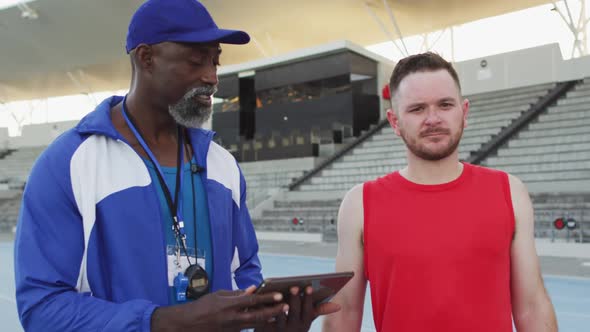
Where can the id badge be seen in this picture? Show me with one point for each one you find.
(179, 263)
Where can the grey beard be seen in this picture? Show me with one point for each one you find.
(188, 112)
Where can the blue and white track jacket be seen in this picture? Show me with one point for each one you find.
(90, 250)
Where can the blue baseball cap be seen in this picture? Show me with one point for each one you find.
(188, 21)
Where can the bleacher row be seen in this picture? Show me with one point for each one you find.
(551, 206)
(10, 201)
(317, 216)
(15, 167)
(262, 185)
(385, 152)
(551, 154)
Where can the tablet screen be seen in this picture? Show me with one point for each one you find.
(325, 286)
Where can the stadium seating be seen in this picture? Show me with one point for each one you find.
(555, 144)
(10, 201)
(553, 153)
(263, 178)
(15, 167)
(385, 152)
(318, 216)
(551, 206)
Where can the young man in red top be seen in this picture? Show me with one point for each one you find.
(446, 246)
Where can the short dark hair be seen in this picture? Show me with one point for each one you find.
(417, 63)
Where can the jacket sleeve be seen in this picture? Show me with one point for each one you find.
(248, 269)
(48, 252)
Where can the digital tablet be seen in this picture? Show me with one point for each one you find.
(325, 286)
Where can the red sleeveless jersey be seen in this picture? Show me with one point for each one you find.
(437, 257)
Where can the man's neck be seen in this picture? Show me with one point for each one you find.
(428, 172)
(154, 121)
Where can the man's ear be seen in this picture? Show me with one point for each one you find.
(465, 108)
(393, 119)
(144, 55)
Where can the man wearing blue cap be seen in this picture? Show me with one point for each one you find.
(135, 220)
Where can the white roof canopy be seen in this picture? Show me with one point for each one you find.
(78, 46)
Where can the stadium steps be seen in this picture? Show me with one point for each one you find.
(10, 202)
(15, 167)
(319, 216)
(552, 153)
(384, 152)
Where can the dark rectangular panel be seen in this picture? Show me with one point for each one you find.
(365, 87)
(362, 65)
(226, 125)
(247, 107)
(303, 71)
(228, 86)
(305, 115)
(366, 112)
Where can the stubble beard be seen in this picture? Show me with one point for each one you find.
(421, 151)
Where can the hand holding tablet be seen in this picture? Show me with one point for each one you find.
(324, 286)
(308, 297)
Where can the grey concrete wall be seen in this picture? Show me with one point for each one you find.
(4, 139)
(532, 66)
(41, 134)
(574, 69)
(525, 67)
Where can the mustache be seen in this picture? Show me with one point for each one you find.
(206, 90)
(431, 131)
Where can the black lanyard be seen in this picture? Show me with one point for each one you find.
(175, 206)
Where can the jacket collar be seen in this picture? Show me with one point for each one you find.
(99, 122)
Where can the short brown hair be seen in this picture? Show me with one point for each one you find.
(420, 62)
